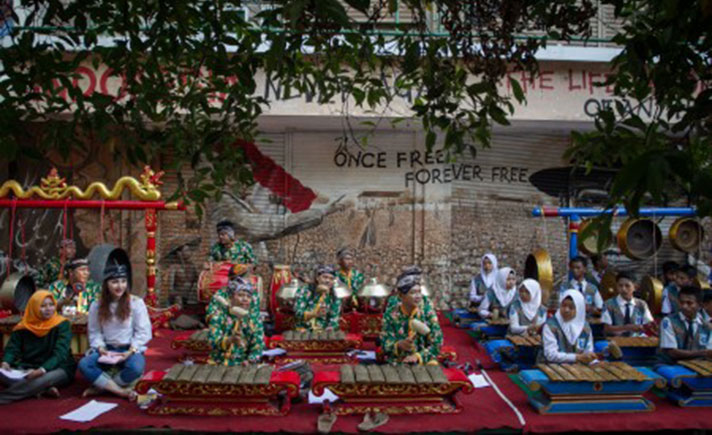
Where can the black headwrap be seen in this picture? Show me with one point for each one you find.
(407, 282)
(238, 284)
(325, 268)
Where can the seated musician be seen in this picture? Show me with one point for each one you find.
(236, 333)
(684, 276)
(567, 336)
(76, 290)
(54, 269)
(503, 293)
(684, 335)
(347, 274)
(118, 326)
(706, 310)
(40, 344)
(228, 248)
(594, 301)
(484, 281)
(599, 267)
(527, 314)
(411, 332)
(394, 298)
(625, 315)
(316, 306)
(244, 271)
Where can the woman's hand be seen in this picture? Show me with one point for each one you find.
(103, 351)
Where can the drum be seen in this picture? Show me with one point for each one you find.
(102, 255)
(212, 279)
(538, 266)
(16, 291)
(281, 275)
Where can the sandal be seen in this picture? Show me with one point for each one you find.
(325, 422)
(369, 423)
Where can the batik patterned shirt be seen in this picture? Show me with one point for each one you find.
(60, 289)
(223, 325)
(240, 253)
(397, 327)
(306, 302)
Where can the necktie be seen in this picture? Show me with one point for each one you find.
(626, 321)
(688, 335)
(580, 286)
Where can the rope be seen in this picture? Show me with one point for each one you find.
(12, 235)
(101, 222)
(655, 249)
(519, 415)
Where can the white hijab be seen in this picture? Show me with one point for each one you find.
(488, 278)
(531, 308)
(572, 329)
(504, 295)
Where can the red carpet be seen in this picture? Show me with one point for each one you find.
(483, 410)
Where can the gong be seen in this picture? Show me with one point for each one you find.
(16, 291)
(686, 234)
(607, 286)
(651, 291)
(538, 266)
(589, 245)
(101, 256)
(639, 239)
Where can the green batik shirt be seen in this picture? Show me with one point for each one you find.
(306, 301)
(354, 280)
(221, 326)
(50, 272)
(396, 326)
(84, 299)
(394, 300)
(239, 253)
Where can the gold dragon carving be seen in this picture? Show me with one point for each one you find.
(53, 187)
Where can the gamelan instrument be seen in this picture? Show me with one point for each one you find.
(686, 234)
(582, 388)
(635, 350)
(639, 238)
(16, 291)
(211, 390)
(195, 344)
(651, 291)
(212, 279)
(588, 240)
(689, 382)
(393, 389)
(103, 255)
(80, 337)
(464, 318)
(515, 352)
(538, 266)
(325, 347)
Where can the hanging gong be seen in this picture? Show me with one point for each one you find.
(538, 266)
(607, 286)
(686, 234)
(16, 291)
(589, 245)
(651, 291)
(638, 238)
(101, 256)
(701, 283)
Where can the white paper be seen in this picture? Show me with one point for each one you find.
(111, 358)
(478, 380)
(89, 411)
(13, 374)
(366, 355)
(274, 352)
(328, 395)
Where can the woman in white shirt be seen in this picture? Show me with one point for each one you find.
(567, 336)
(527, 314)
(119, 327)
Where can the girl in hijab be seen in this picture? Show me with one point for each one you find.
(501, 296)
(567, 336)
(484, 280)
(39, 344)
(527, 314)
(118, 326)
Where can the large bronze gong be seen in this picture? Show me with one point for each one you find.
(589, 245)
(607, 286)
(639, 238)
(651, 291)
(686, 234)
(538, 266)
(16, 291)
